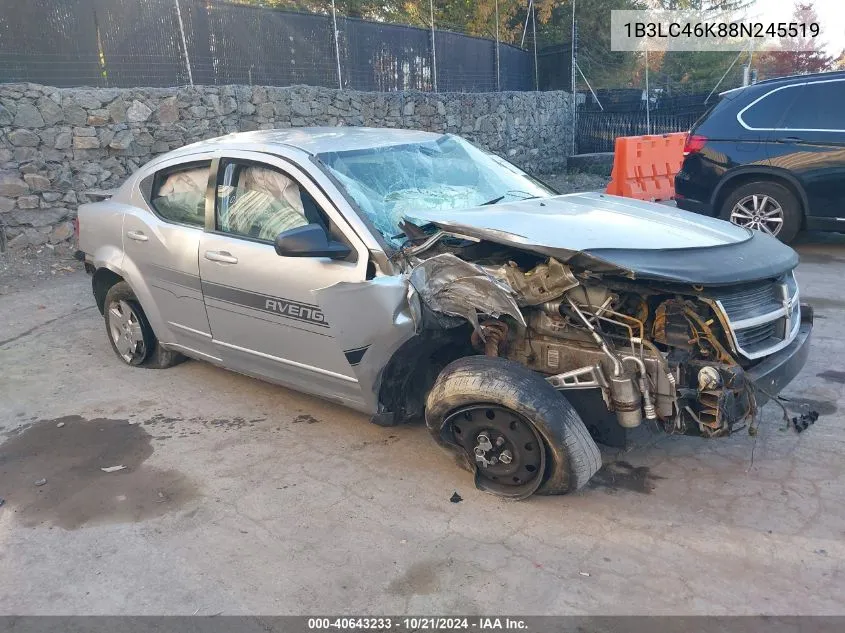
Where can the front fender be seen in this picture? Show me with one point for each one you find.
(371, 320)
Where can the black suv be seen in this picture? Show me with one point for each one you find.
(771, 157)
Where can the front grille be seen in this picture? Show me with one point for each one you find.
(751, 301)
(762, 317)
(759, 337)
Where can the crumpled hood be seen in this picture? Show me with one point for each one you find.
(611, 234)
(586, 221)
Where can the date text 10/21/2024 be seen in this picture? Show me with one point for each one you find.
(420, 623)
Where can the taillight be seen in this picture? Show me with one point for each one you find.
(695, 143)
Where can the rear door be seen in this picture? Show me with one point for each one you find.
(810, 143)
(161, 237)
(264, 318)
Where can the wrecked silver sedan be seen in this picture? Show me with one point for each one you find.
(411, 275)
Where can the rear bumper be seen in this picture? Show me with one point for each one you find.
(778, 370)
(87, 260)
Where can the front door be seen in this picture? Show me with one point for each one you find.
(264, 318)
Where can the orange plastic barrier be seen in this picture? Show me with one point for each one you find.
(644, 167)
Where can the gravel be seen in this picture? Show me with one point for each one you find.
(575, 182)
(23, 268)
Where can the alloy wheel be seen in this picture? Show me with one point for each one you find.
(759, 212)
(126, 331)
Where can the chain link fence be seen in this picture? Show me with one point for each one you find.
(158, 43)
(631, 93)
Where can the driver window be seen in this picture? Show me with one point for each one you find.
(259, 202)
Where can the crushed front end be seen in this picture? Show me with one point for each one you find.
(694, 360)
(690, 358)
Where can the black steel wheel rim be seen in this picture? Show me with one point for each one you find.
(507, 450)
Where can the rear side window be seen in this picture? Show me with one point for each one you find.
(818, 108)
(768, 112)
(178, 193)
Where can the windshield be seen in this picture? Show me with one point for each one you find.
(448, 173)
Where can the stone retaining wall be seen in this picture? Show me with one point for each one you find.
(56, 144)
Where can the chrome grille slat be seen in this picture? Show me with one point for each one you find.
(753, 335)
(744, 304)
(762, 317)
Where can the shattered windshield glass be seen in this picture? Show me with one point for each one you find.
(392, 182)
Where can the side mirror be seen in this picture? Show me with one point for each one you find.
(309, 241)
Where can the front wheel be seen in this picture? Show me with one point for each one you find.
(516, 432)
(768, 207)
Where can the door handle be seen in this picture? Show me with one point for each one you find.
(138, 236)
(788, 139)
(224, 257)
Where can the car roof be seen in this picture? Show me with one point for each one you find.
(313, 140)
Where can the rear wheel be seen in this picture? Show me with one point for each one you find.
(765, 206)
(514, 430)
(129, 332)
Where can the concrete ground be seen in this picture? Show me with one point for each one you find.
(240, 497)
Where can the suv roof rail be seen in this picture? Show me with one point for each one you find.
(830, 74)
(805, 77)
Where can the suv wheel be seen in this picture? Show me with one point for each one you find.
(764, 206)
(129, 332)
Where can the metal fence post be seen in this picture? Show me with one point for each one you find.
(336, 47)
(647, 98)
(574, 95)
(534, 34)
(184, 42)
(498, 68)
(433, 46)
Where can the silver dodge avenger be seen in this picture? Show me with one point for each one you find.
(412, 275)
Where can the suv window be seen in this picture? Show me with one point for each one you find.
(818, 108)
(178, 194)
(259, 201)
(768, 111)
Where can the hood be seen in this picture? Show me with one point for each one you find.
(586, 221)
(640, 240)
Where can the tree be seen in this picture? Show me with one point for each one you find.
(701, 5)
(784, 62)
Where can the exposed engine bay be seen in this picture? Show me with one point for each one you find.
(672, 354)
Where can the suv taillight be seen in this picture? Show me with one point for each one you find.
(695, 143)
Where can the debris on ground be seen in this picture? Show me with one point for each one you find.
(574, 182)
(23, 267)
(40, 482)
(800, 423)
(60, 425)
(2, 501)
(113, 469)
(584, 573)
(456, 498)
